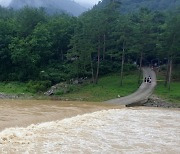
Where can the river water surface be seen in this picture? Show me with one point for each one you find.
(72, 127)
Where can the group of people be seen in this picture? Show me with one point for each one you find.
(147, 80)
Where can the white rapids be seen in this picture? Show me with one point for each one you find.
(132, 130)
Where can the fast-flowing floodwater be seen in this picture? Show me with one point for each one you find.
(18, 113)
(123, 130)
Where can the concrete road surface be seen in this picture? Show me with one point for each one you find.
(142, 94)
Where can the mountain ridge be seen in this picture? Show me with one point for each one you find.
(128, 6)
(53, 6)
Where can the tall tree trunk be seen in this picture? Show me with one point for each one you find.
(84, 69)
(167, 73)
(140, 67)
(77, 70)
(92, 70)
(104, 47)
(170, 73)
(137, 58)
(98, 62)
(111, 56)
(62, 55)
(122, 64)
(170, 64)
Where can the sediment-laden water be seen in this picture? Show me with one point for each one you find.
(126, 130)
(22, 113)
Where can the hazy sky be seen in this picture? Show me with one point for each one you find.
(4, 2)
(92, 2)
(82, 2)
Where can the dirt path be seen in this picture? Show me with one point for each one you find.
(142, 94)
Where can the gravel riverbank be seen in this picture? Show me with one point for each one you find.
(155, 101)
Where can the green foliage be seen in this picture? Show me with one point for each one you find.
(176, 75)
(107, 67)
(107, 88)
(129, 6)
(38, 86)
(162, 91)
(172, 95)
(13, 87)
(40, 44)
(38, 47)
(56, 72)
(59, 92)
(65, 89)
(30, 87)
(28, 18)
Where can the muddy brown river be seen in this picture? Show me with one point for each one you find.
(28, 126)
(22, 113)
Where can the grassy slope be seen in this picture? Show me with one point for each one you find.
(173, 95)
(107, 88)
(13, 88)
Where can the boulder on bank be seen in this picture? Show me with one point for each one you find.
(64, 87)
(58, 87)
(8, 96)
(154, 101)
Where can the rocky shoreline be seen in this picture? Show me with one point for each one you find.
(155, 101)
(8, 96)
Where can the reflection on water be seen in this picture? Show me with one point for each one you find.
(126, 130)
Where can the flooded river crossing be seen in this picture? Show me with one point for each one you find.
(28, 126)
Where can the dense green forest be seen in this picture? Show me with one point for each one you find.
(130, 6)
(53, 48)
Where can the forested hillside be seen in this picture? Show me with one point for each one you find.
(128, 6)
(38, 47)
(51, 6)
